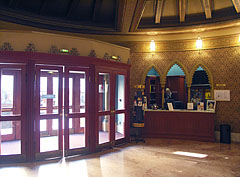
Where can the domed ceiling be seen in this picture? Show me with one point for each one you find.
(117, 16)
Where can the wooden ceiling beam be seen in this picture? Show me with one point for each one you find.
(13, 3)
(140, 6)
(97, 6)
(182, 10)
(159, 10)
(236, 4)
(125, 14)
(207, 8)
(73, 4)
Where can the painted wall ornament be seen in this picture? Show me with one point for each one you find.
(106, 56)
(31, 48)
(74, 52)
(53, 50)
(119, 59)
(92, 53)
(6, 47)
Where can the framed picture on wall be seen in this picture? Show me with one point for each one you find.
(211, 105)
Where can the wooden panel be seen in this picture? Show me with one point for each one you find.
(207, 8)
(182, 125)
(236, 4)
(182, 10)
(159, 10)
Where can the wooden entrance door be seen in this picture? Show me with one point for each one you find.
(48, 112)
(76, 109)
(13, 113)
(111, 107)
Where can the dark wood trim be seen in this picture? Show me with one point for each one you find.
(141, 4)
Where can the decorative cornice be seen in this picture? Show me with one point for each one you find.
(6, 47)
(92, 54)
(184, 45)
(31, 48)
(106, 56)
(74, 52)
(53, 50)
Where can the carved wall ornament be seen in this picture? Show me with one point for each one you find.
(31, 48)
(74, 52)
(6, 47)
(119, 59)
(129, 61)
(106, 56)
(53, 50)
(92, 53)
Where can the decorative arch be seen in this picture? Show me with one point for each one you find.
(147, 70)
(170, 66)
(209, 74)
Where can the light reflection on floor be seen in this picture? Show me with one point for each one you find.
(155, 158)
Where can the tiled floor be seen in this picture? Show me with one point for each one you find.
(51, 143)
(157, 158)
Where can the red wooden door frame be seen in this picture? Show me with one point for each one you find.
(112, 112)
(73, 115)
(38, 117)
(18, 133)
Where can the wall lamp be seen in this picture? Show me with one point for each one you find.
(199, 43)
(152, 46)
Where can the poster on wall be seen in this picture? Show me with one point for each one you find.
(222, 95)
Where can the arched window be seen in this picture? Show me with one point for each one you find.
(176, 89)
(200, 88)
(153, 89)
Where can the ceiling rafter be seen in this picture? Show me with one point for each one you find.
(97, 6)
(42, 7)
(119, 17)
(236, 4)
(140, 6)
(73, 4)
(182, 10)
(125, 14)
(207, 8)
(159, 10)
(13, 3)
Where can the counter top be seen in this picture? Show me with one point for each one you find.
(180, 110)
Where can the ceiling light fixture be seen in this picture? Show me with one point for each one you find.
(199, 43)
(152, 45)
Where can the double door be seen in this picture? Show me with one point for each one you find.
(111, 109)
(62, 111)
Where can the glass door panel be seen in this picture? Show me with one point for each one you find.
(49, 135)
(120, 92)
(10, 145)
(104, 91)
(76, 111)
(77, 133)
(104, 129)
(119, 126)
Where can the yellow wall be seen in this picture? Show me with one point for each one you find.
(43, 42)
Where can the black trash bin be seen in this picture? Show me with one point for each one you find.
(225, 133)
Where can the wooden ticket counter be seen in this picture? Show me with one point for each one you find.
(179, 124)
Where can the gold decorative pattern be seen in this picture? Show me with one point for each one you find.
(210, 78)
(184, 45)
(221, 64)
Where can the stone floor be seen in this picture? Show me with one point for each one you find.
(157, 158)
